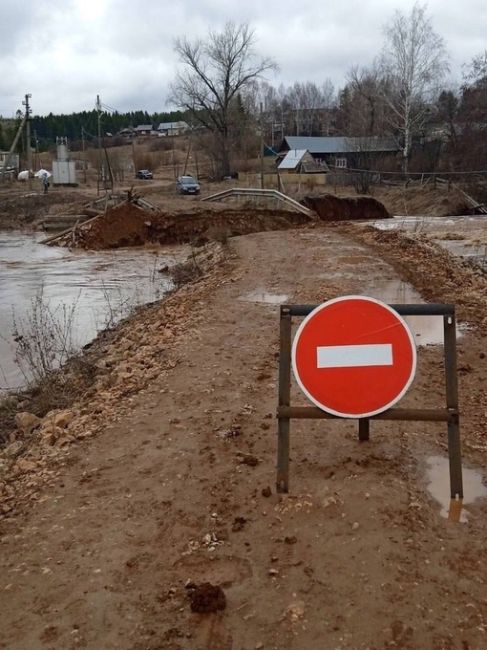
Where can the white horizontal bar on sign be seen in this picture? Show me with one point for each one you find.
(350, 356)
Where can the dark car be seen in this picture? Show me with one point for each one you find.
(144, 174)
(187, 185)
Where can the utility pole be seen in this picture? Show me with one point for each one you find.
(261, 148)
(36, 154)
(12, 148)
(98, 108)
(27, 134)
(84, 150)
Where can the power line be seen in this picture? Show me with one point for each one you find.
(110, 108)
(438, 173)
(88, 133)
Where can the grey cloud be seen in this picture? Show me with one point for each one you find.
(67, 52)
(17, 20)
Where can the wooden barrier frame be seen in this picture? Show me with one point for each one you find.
(450, 415)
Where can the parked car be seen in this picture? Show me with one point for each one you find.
(144, 174)
(187, 185)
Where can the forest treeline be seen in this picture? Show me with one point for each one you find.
(45, 129)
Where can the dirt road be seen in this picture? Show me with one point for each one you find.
(175, 490)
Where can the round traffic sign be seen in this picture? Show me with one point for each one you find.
(354, 356)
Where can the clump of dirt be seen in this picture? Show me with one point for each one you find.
(124, 225)
(206, 598)
(334, 208)
(130, 225)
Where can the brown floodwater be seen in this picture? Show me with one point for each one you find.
(463, 236)
(93, 289)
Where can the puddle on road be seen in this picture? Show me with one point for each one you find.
(438, 476)
(260, 295)
(426, 330)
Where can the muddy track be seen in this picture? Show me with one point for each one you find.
(166, 480)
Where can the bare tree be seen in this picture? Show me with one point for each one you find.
(476, 72)
(306, 100)
(471, 117)
(367, 88)
(414, 61)
(216, 73)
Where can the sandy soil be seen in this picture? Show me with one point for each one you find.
(177, 485)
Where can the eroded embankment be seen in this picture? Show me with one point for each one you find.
(76, 402)
(129, 225)
(333, 208)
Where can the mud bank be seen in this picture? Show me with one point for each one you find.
(333, 208)
(129, 225)
(71, 404)
(24, 209)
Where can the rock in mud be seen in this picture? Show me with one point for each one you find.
(63, 418)
(14, 449)
(26, 421)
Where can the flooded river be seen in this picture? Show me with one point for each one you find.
(463, 236)
(83, 290)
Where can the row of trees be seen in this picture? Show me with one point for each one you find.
(71, 126)
(220, 83)
(83, 124)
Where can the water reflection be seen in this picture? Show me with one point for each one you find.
(261, 295)
(438, 476)
(101, 285)
(426, 330)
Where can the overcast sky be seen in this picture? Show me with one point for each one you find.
(65, 52)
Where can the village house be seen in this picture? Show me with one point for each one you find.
(172, 128)
(128, 132)
(144, 129)
(335, 152)
(302, 162)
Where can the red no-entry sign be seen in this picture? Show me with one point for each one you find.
(354, 356)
